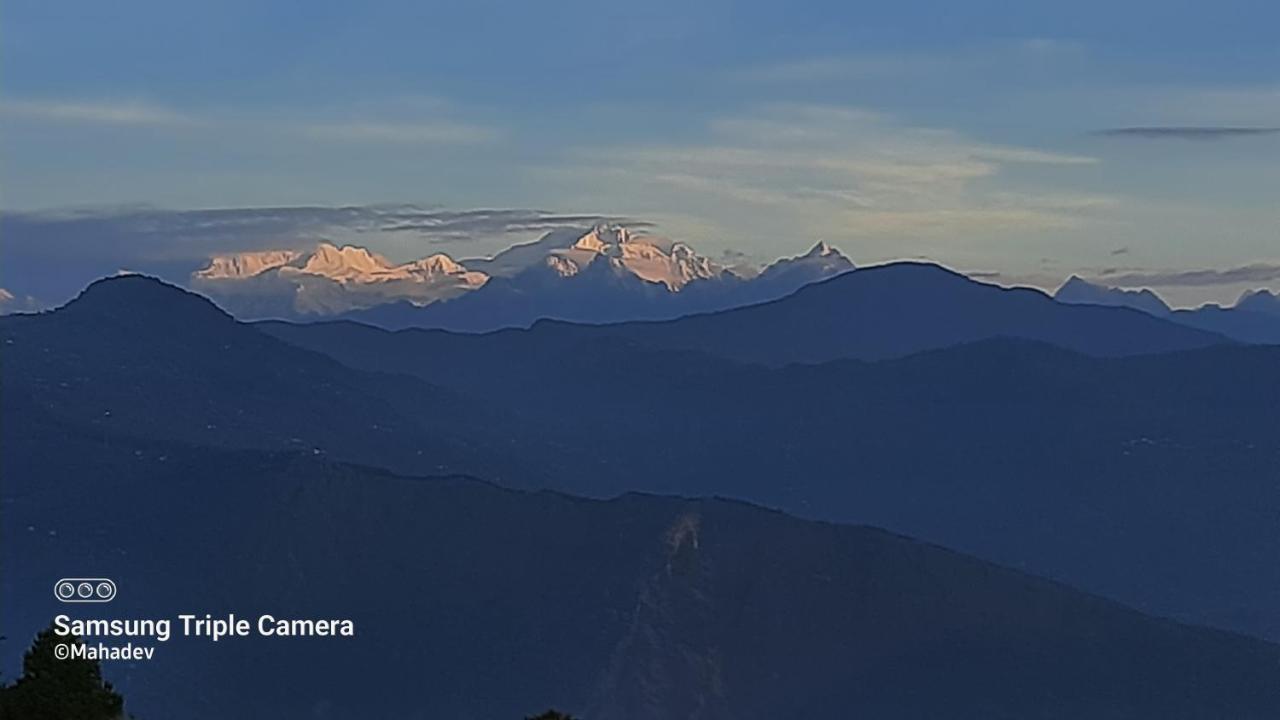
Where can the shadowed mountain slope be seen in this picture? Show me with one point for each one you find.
(137, 356)
(1254, 319)
(1131, 477)
(474, 601)
(895, 310)
(1134, 477)
(884, 312)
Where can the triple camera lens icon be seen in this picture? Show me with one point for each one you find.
(85, 590)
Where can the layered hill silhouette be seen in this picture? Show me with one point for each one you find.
(1255, 318)
(474, 601)
(135, 355)
(1131, 477)
(1134, 477)
(875, 313)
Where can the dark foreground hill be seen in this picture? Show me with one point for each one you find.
(472, 601)
(134, 355)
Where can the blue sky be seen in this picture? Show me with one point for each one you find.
(979, 134)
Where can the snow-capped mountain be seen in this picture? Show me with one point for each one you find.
(347, 264)
(566, 253)
(327, 280)
(602, 274)
(821, 262)
(607, 275)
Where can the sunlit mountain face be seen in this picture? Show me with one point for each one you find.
(607, 272)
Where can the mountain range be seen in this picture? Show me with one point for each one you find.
(342, 469)
(327, 280)
(1125, 455)
(874, 313)
(1255, 318)
(1131, 474)
(605, 274)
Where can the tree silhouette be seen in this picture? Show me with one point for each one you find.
(59, 689)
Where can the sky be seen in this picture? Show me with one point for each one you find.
(1136, 141)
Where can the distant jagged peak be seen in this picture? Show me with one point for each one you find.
(821, 249)
(616, 240)
(438, 263)
(1075, 281)
(650, 258)
(605, 238)
(345, 264)
(1078, 291)
(1261, 300)
(246, 264)
(348, 262)
(820, 262)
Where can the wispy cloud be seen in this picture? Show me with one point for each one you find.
(446, 226)
(1262, 272)
(428, 122)
(421, 133)
(97, 112)
(820, 171)
(1186, 132)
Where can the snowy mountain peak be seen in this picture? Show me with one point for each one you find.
(335, 279)
(438, 263)
(820, 262)
(246, 265)
(348, 263)
(562, 266)
(821, 250)
(652, 259)
(328, 279)
(605, 239)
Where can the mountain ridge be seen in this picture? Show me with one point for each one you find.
(897, 309)
(1255, 318)
(1137, 455)
(605, 272)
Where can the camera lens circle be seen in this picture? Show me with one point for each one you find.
(85, 590)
